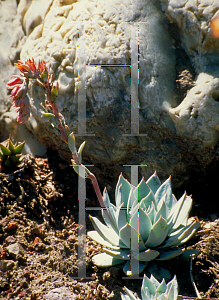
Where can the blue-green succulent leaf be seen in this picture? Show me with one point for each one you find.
(93, 234)
(134, 221)
(147, 201)
(121, 254)
(106, 260)
(172, 289)
(129, 295)
(165, 189)
(132, 201)
(158, 233)
(190, 253)
(145, 293)
(120, 216)
(169, 254)
(126, 187)
(149, 284)
(106, 232)
(153, 182)
(147, 255)
(155, 282)
(106, 198)
(111, 210)
(133, 267)
(141, 191)
(152, 213)
(141, 222)
(182, 236)
(181, 211)
(145, 224)
(131, 238)
(161, 287)
(162, 297)
(162, 210)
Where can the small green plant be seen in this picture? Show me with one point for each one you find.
(146, 223)
(10, 153)
(152, 289)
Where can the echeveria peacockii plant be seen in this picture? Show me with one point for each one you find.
(152, 289)
(149, 214)
(146, 223)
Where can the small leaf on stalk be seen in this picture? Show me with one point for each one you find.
(80, 152)
(71, 143)
(11, 146)
(19, 148)
(5, 150)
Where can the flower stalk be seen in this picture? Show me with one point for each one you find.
(40, 73)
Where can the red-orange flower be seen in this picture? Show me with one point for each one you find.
(19, 96)
(16, 80)
(30, 69)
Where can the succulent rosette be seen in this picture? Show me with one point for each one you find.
(146, 223)
(10, 153)
(152, 289)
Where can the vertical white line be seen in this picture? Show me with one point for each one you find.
(81, 77)
(82, 224)
(134, 80)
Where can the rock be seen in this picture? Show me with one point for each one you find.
(16, 250)
(61, 293)
(193, 19)
(197, 116)
(6, 265)
(89, 44)
(106, 42)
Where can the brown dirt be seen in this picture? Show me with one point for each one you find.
(39, 210)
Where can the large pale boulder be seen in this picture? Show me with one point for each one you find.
(197, 115)
(88, 44)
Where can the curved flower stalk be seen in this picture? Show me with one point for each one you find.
(152, 289)
(146, 223)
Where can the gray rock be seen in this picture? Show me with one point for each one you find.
(76, 38)
(16, 250)
(193, 19)
(6, 265)
(197, 116)
(106, 42)
(61, 293)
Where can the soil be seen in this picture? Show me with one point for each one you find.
(39, 239)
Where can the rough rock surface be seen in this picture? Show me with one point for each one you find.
(197, 116)
(88, 44)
